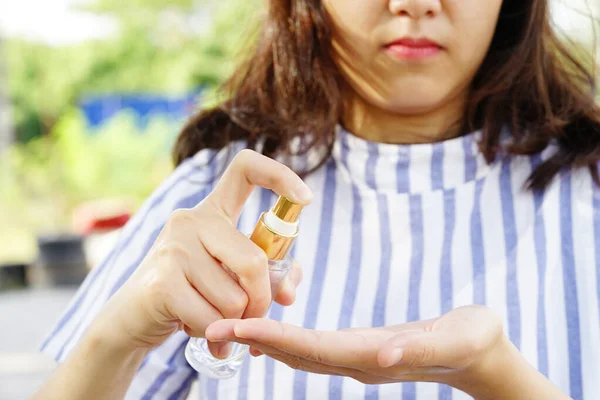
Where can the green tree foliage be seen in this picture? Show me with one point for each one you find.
(161, 46)
(44, 179)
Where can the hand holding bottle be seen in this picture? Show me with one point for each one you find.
(182, 284)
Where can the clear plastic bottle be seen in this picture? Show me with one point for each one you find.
(275, 233)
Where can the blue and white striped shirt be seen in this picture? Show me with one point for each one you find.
(396, 233)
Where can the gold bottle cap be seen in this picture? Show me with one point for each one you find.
(275, 243)
(286, 210)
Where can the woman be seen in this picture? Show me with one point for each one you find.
(452, 151)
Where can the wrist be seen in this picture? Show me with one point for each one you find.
(503, 373)
(482, 375)
(120, 324)
(489, 376)
(111, 332)
(100, 367)
(113, 343)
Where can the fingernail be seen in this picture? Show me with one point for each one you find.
(303, 193)
(395, 356)
(223, 351)
(239, 331)
(254, 352)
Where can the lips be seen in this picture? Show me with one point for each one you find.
(417, 43)
(413, 49)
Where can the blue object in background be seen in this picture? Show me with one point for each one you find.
(98, 109)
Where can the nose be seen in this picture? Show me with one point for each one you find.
(415, 9)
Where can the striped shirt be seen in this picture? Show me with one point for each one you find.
(396, 233)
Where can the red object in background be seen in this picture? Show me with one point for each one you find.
(99, 223)
(106, 224)
(101, 216)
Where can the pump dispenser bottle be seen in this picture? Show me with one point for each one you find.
(275, 233)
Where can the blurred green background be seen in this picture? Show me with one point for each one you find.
(95, 118)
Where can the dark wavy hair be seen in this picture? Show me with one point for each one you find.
(291, 87)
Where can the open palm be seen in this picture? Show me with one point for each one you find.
(416, 351)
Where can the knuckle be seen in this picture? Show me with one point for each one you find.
(172, 253)
(257, 262)
(160, 286)
(236, 305)
(180, 217)
(244, 157)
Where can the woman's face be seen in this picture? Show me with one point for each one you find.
(411, 56)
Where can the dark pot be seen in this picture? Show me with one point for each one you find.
(61, 261)
(12, 276)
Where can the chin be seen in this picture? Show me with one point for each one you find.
(414, 97)
(411, 105)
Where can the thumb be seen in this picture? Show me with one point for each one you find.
(414, 349)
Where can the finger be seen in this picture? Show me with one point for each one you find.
(245, 259)
(196, 313)
(220, 350)
(224, 330)
(248, 169)
(255, 353)
(347, 349)
(193, 310)
(287, 295)
(218, 287)
(296, 274)
(415, 349)
(314, 367)
(393, 330)
(221, 330)
(306, 365)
